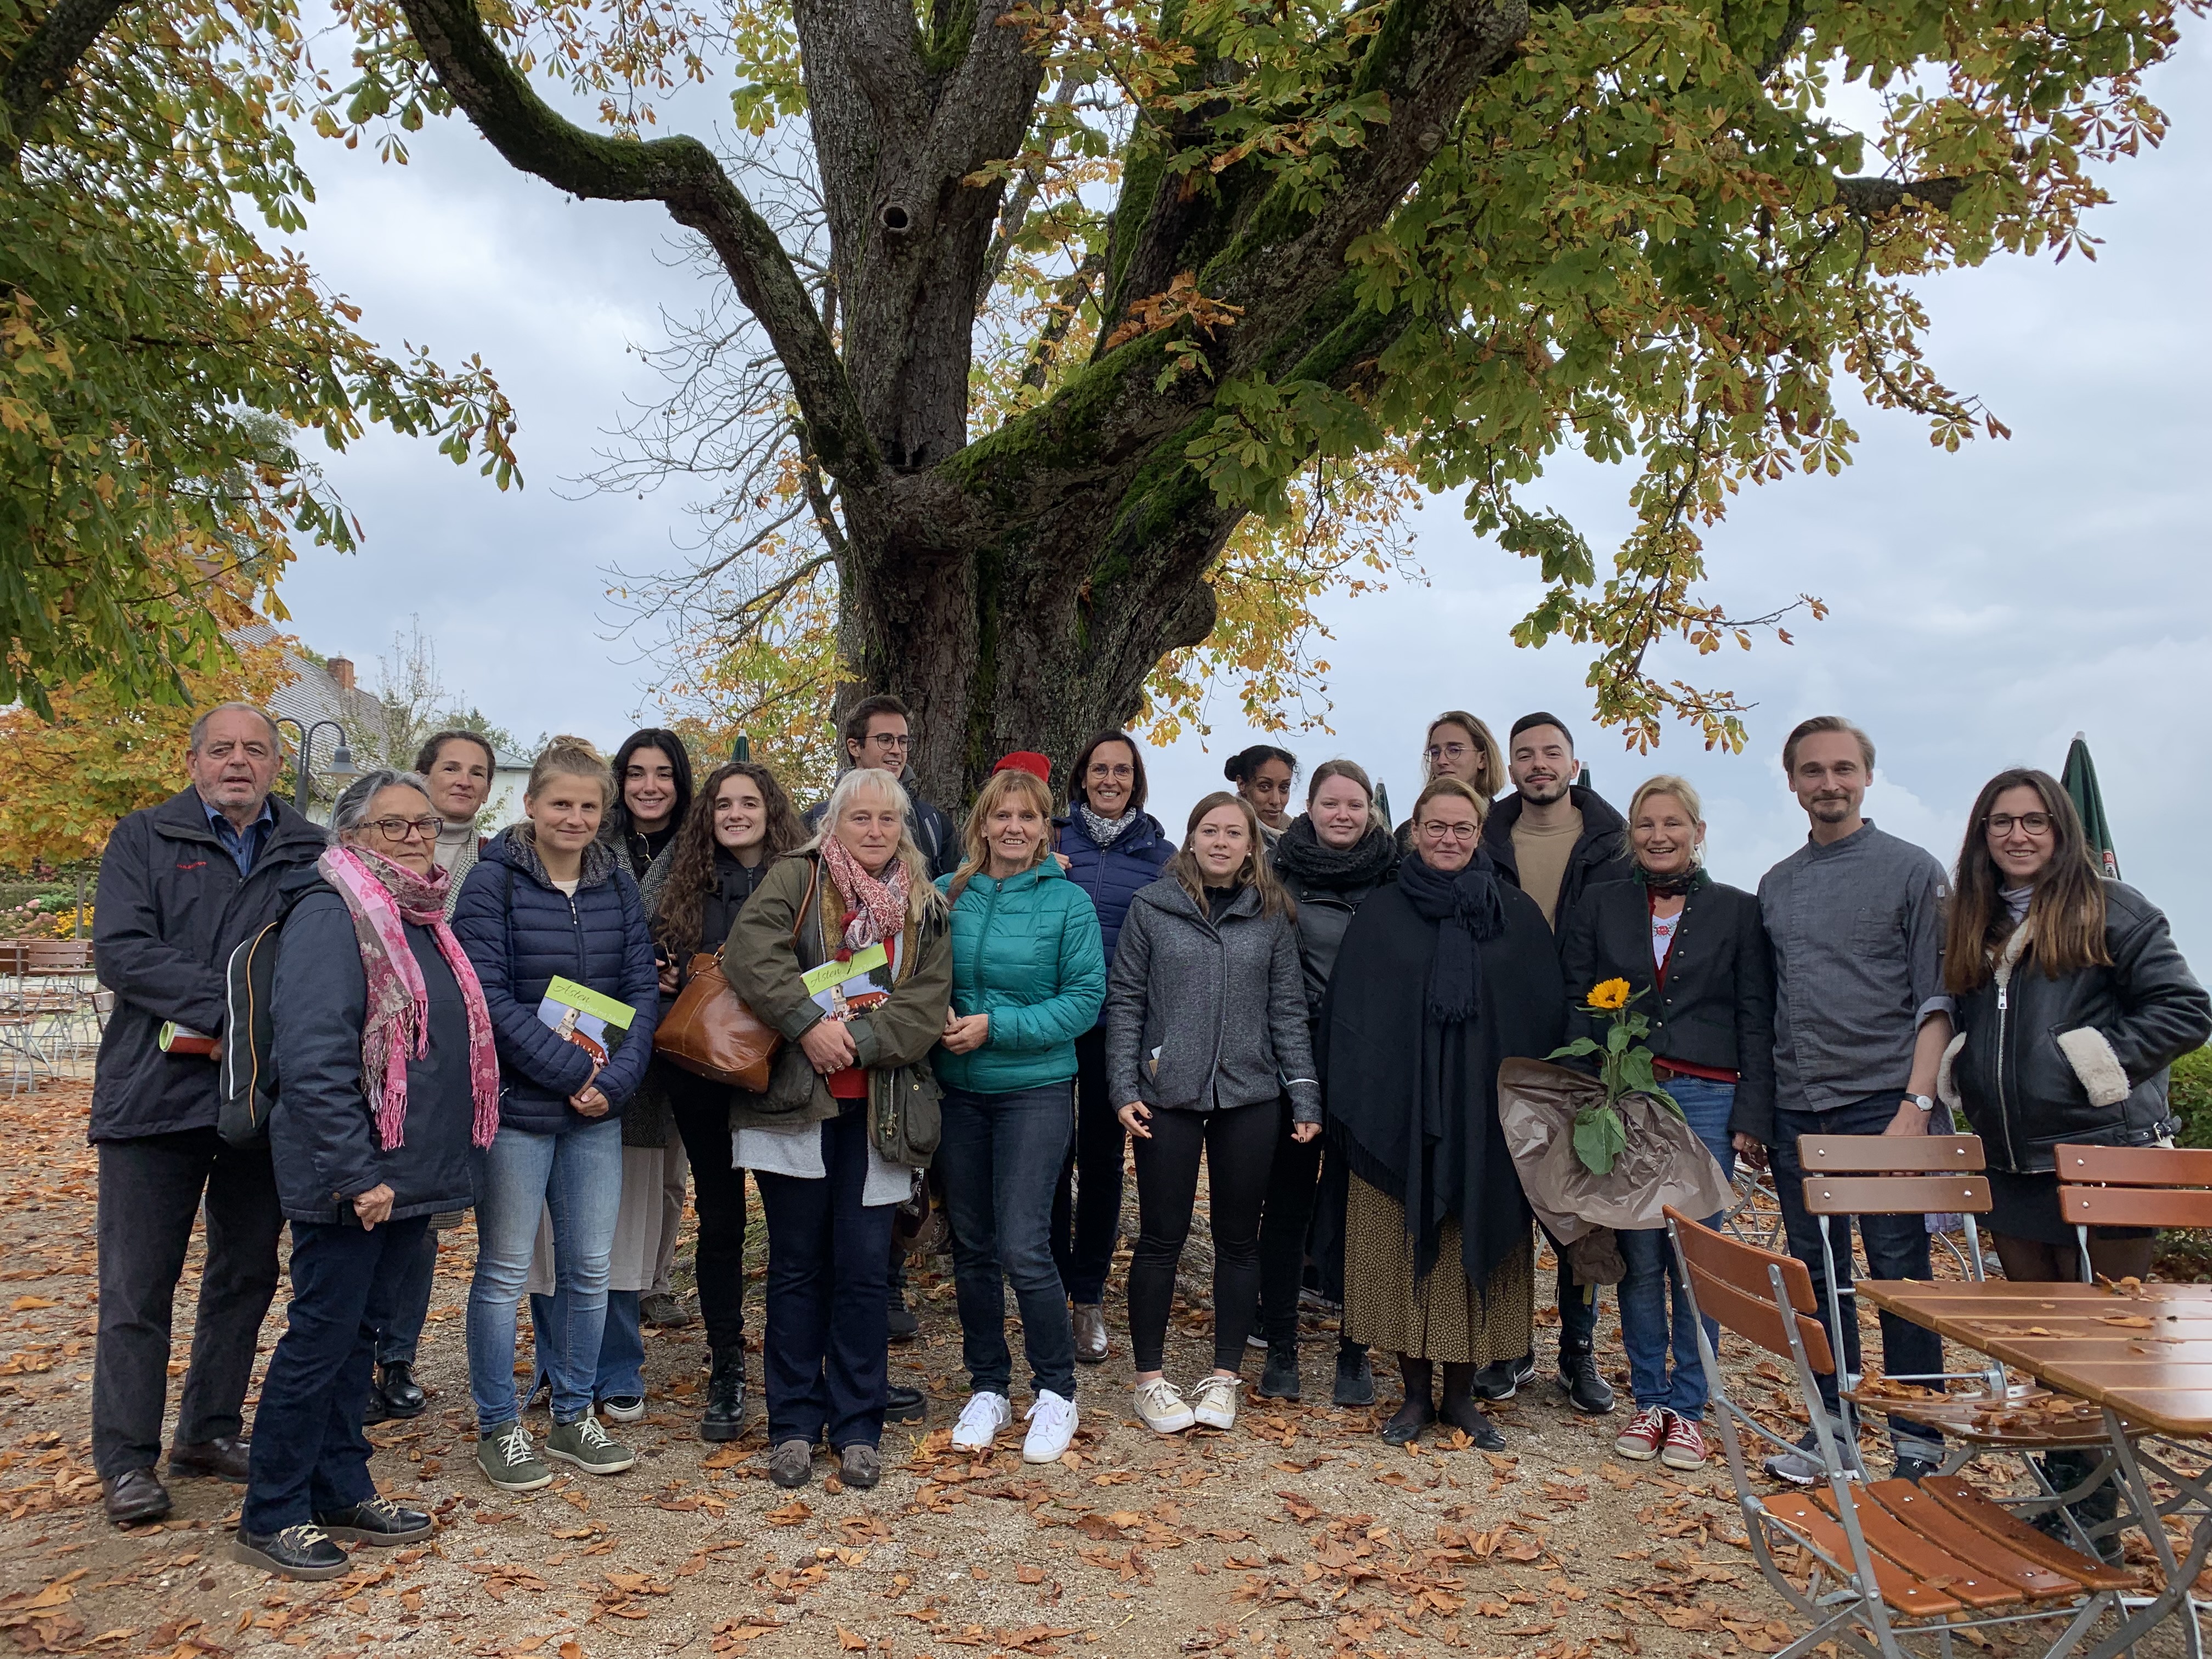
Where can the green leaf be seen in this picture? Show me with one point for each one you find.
(1617, 1038)
(1578, 1046)
(1599, 1138)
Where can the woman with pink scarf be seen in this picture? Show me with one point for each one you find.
(821, 1142)
(387, 1077)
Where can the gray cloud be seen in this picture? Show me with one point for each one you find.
(1986, 605)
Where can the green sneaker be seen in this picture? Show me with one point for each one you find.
(507, 1462)
(589, 1447)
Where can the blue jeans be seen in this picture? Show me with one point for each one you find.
(1644, 1320)
(578, 1176)
(1000, 1160)
(621, 1370)
(825, 1355)
(1896, 1248)
(309, 1456)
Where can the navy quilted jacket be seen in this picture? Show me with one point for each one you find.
(1114, 875)
(598, 938)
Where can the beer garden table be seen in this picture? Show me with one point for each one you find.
(2144, 1359)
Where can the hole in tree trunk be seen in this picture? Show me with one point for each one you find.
(896, 218)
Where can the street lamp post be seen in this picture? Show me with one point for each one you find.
(342, 764)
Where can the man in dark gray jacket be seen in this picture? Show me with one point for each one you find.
(1855, 919)
(181, 884)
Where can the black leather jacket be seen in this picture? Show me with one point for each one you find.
(1716, 1007)
(2081, 1058)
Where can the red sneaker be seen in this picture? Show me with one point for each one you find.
(1643, 1437)
(1686, 1444)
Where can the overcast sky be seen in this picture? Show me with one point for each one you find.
(1985, 605)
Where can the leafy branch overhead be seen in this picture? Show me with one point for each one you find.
(1044, 333)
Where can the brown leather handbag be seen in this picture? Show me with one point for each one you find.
(709, 1031)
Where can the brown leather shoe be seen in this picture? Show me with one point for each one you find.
(224, 1459)
(1090, 1346)
(134, 1497)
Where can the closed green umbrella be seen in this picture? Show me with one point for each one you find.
(2080, 785)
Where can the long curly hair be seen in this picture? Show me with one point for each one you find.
(692, 855)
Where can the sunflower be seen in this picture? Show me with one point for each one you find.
(1609, 996)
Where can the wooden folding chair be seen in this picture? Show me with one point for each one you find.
(1886, 1562)
(2132, 1187)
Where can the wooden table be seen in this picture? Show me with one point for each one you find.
(2145, 1360)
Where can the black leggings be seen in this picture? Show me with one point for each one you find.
(702, 1118)
(1239, 1144)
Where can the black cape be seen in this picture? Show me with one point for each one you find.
(1412, 1104)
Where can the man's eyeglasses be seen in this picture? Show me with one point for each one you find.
(404, 829)
(2003, 824)
(889, 740)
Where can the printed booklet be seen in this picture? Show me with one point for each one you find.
(582, 1015)
(845, 988)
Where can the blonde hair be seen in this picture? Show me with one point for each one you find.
(568, 756)
(977, 855)
(922, 898)
(1493, 760)
(1683, 791)
(1459, 786)
(1258, 870)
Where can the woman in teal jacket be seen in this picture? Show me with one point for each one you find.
(1029, 976)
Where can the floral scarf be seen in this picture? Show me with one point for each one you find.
(382, 897)
(875, 910)
(1103, 831)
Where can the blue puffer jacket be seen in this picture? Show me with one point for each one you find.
(520, 932)
(1114, 875)
(1025, 952)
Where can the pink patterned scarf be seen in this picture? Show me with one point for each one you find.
(875, 909)
(396, 1025)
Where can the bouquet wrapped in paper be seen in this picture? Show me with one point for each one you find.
(1607, 1153)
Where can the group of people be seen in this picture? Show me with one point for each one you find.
(995, 1020)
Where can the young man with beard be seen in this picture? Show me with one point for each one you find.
(1856, 919)
(1553, 840)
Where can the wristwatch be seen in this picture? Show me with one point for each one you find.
(1923, 1102)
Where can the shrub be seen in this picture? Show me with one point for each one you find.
(2192, 1098)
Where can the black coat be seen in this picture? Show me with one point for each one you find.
(521, 931)
(2083, 1057)
(170, 908)
(1325, 914)
(1382, 1057)
(1601, 852)
(1716, 1007)
(322, 1132)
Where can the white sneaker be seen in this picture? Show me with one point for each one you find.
(981, 1419)
(1214, 1401)
(1052, 1425)
(1160, 1403)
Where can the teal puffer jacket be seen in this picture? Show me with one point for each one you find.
(1026, 951)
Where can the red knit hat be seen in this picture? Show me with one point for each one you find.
(1027, 760)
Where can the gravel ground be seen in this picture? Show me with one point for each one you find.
(1297, 1533)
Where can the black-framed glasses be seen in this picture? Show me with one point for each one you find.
(404, 829)
(2003, 824)
(1438, 831)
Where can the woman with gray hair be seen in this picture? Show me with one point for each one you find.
(387, 1075)
(1697, 950)
(831, 1146)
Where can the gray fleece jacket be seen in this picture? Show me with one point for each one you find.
(1202, 1015)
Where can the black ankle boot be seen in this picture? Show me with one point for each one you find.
(1588, 1392)
(1355, 1378)
(725, 1416)
(1280, 1380)
(1418, 1411)
(403, 1394)
(1459, 1410)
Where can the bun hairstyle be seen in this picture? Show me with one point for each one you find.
(568, 757)
(1257, 871)
(1244, 765)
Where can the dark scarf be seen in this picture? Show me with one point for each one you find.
(1468, 911)
(1302, 852)
(1680, 886)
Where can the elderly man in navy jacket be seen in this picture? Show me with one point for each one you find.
(180, 885)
